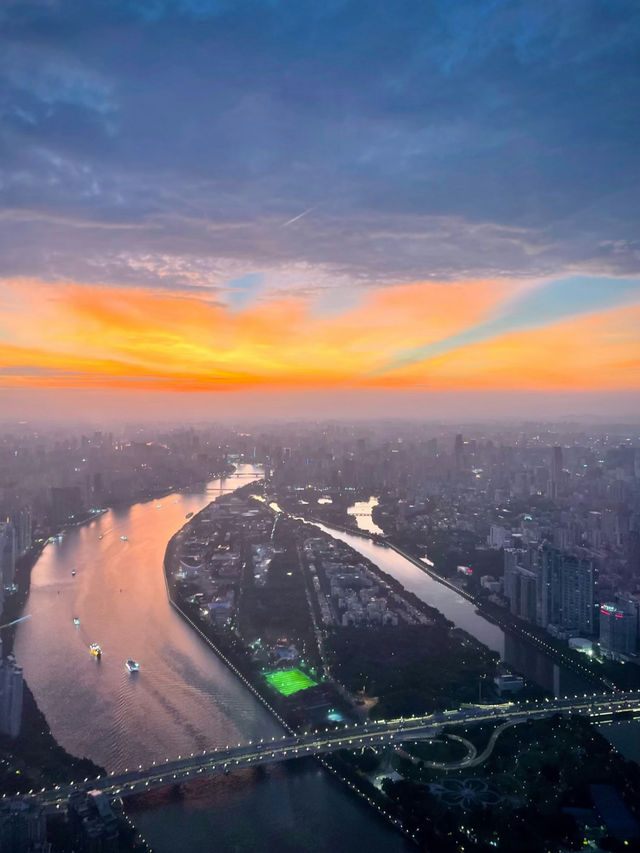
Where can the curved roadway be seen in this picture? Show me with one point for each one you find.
(373, 733)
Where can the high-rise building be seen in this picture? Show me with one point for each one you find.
(10, 696)
(556, 463)
(499, 537)
(520, 585)
(555, 473)
(7, 553)
(510, 573)
(565, 592)
(22, 525)
(458, 452)
(619, 628)
(66, 501)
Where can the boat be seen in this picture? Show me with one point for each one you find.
(73, 573)
(158, 506)
(124, 538)
(76, 621)
(100, 537)
(95, 650)
(188, 515)
(132, 665)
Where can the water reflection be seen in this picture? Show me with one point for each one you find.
(362, 511)
(183, 699)
(521, 656)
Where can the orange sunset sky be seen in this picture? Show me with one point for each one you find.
(476, 335)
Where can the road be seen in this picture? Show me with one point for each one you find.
(356, 736)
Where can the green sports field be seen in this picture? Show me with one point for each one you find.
(288, 681)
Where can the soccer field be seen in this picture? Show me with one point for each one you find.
(288, 681)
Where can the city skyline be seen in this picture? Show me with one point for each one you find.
(247, 205)
(225, 597)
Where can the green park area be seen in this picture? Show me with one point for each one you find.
(288, 681)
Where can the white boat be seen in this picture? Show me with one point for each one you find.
(124, 538)
(132, 665)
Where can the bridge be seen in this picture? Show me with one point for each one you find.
(357, 736)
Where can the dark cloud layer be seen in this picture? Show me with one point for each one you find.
(432, 139)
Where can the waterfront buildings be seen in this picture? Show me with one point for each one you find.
(565, 593)
(95, 823)
(23, 827)
(21, 519)
(10, 696)
(619, 629)
(552, 588)
(7, 553)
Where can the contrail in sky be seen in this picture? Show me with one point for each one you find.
(15, 621)
(299, 216)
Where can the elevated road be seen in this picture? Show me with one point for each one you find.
(357, 736)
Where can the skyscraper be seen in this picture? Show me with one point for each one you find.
(21, 520)
(619, 629)
(555, 473)
(10, 696)
(566, 592)
(7, 553)
(458, 452)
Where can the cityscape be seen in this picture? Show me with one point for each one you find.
(445, 623)
(319, 426)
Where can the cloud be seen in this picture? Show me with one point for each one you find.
(452, 140)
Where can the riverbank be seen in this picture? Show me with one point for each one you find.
(14, 604)
(554, 651)
(227, 645)
(238, 661)
(526, 632)
(35, 759)
(184, 699)
(413, 650)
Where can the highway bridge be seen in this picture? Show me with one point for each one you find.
(368, 734)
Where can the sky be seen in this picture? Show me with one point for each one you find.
(425, 207)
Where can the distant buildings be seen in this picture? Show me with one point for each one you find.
(66, 502)
(458, 452)
(566, 592)
(22, 522)
(619, 629)
(10, 696)
(7, 553)
(499, 536)
(555, 473)
(556, 590)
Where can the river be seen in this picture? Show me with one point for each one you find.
(182, 700)
(521, 656)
